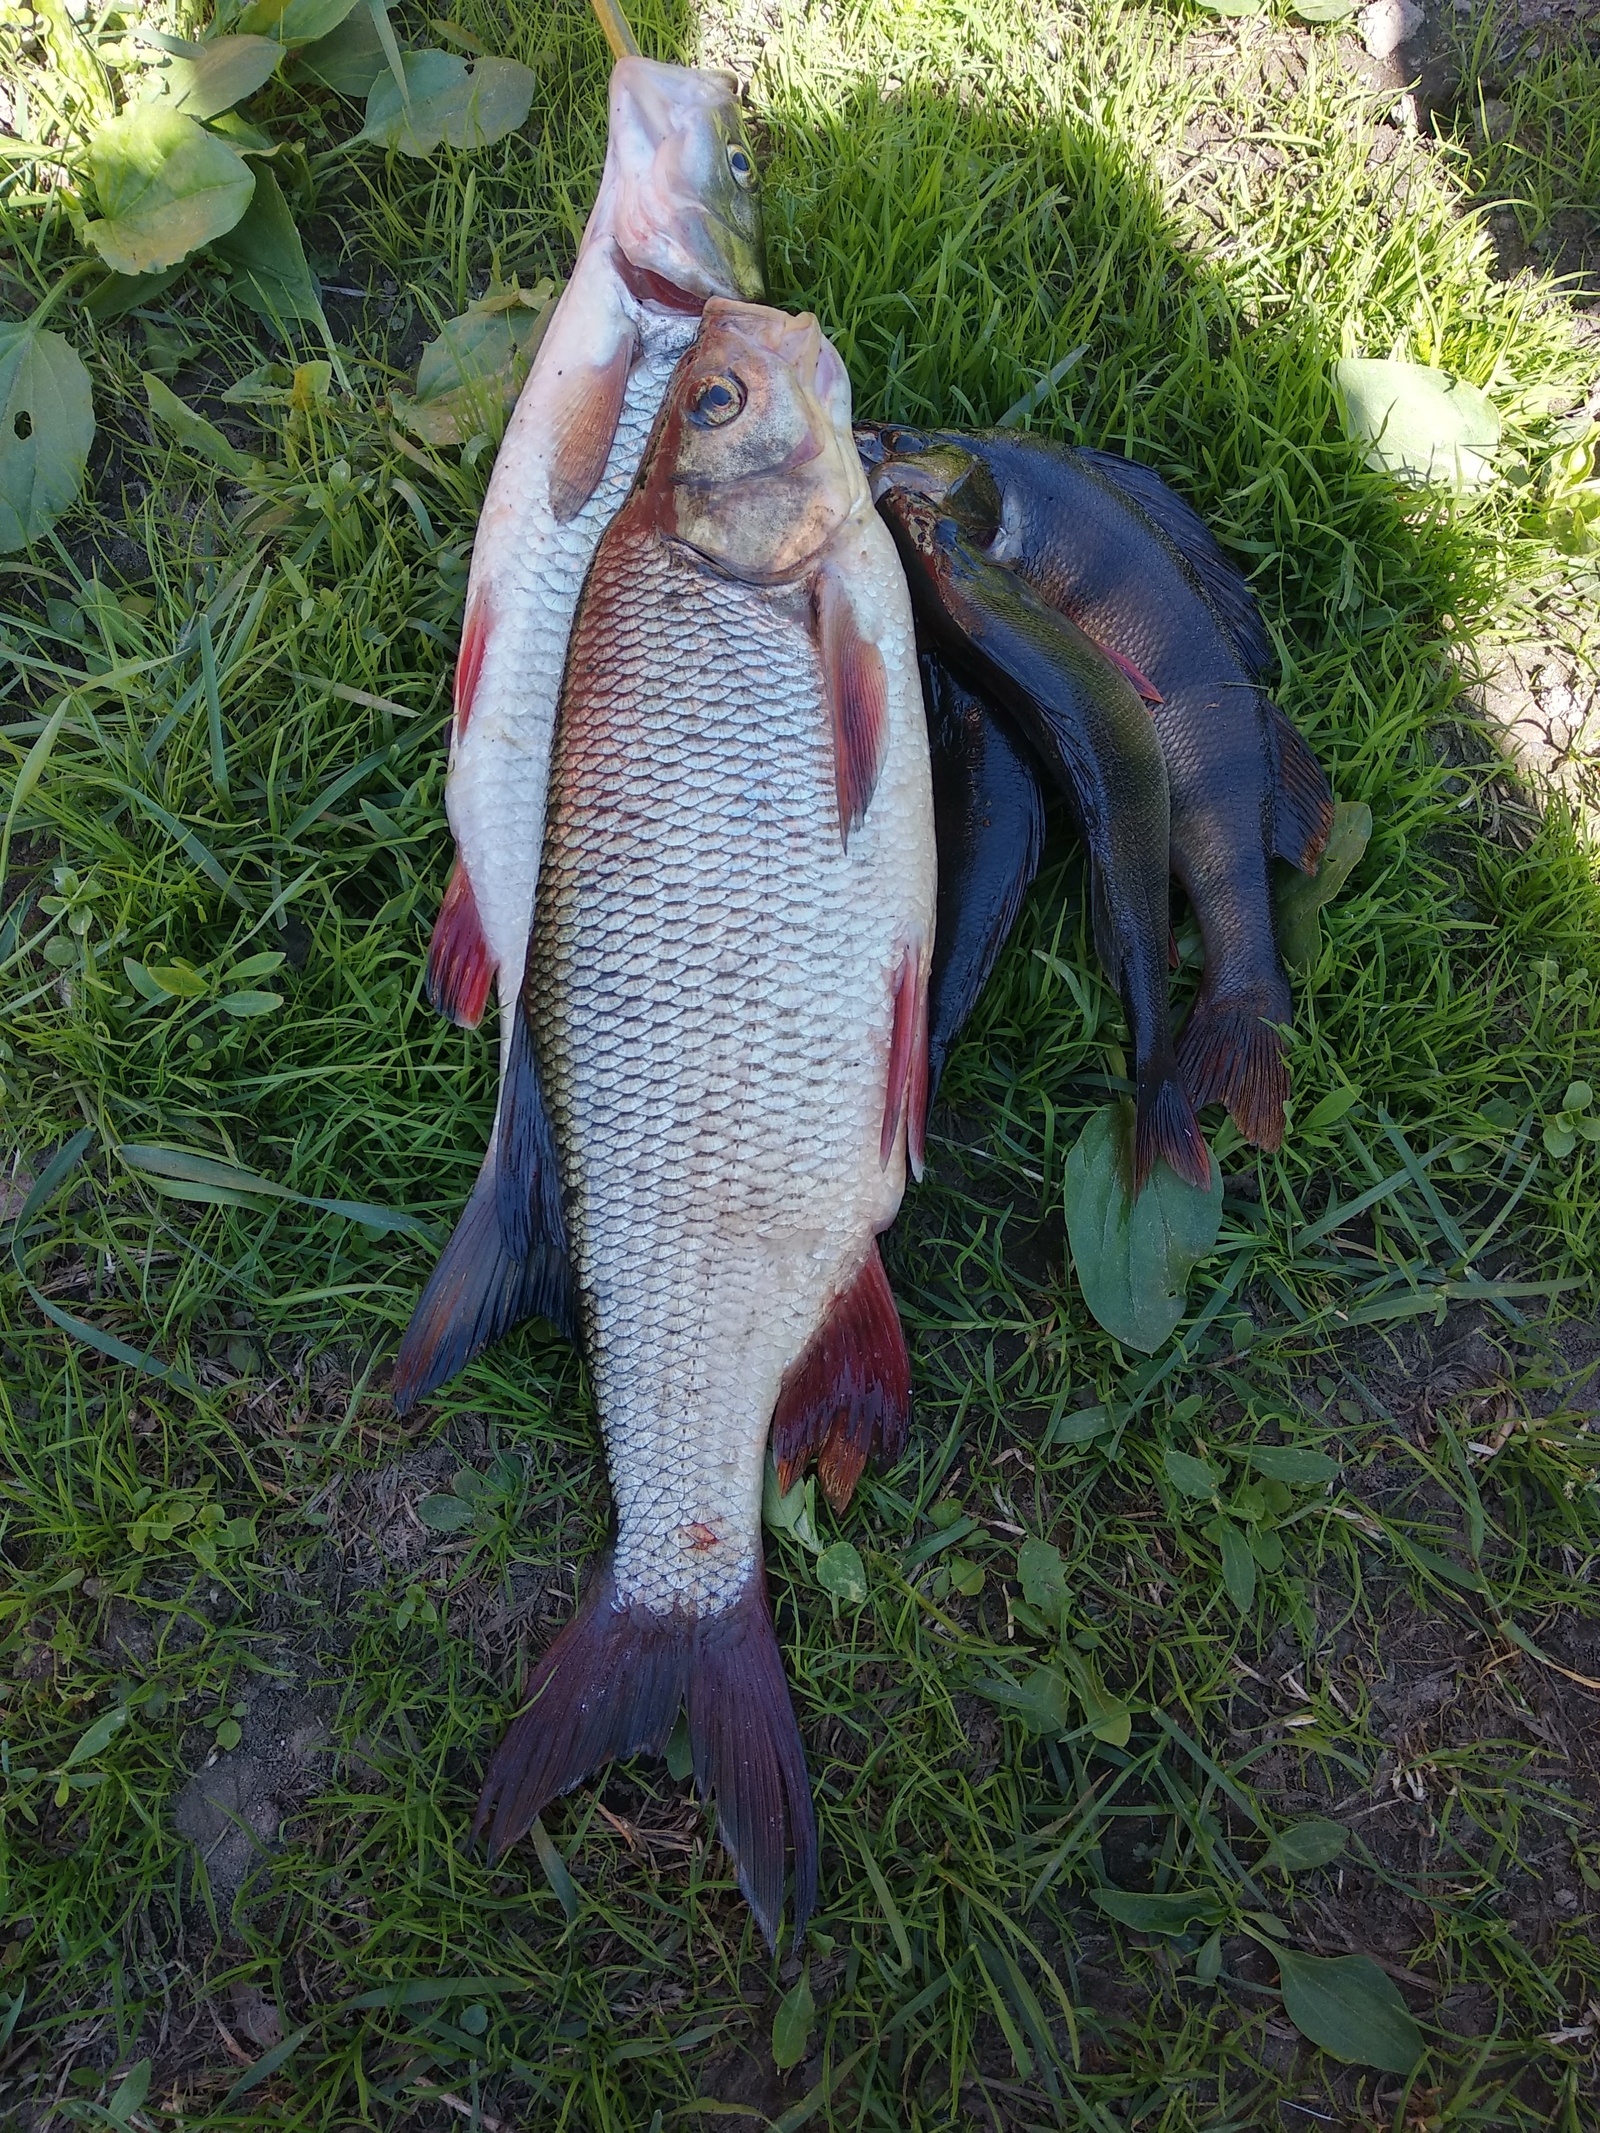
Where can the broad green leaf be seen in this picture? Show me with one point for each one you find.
(115, 294)
(1232, 7)
(1081, 1428)
(1418, 424)
(791, 2027)
(250, 1003)
(1347, 2005)
(165, 187)
(292, 22)
(1303, 1845)
(221, 74)
(179, 979)
(98, 1737)
(679, 1752)
(1133, 1258)
(46, 429)
(1238, 1563)
(348, 60)
(562, 1885)
(1174, 1912)
(1294, 1464)
(449, 103)
(1192, 1476)
(1301, 896)
(1331, 1108)
(1208, 1963)
(446, 1514)
(131, 2090)
(791, 1512)
(271, 272)
(1324, 10)
(1106, 1716)
(966, 1576)
(841, 1572)
(193, 431)
(229, 1734)
(1043, 1575)
(1039, 1699)
(469, 378)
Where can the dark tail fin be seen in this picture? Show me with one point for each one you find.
(611, 1685)
(1231, 1054)
(528, 1187)
(475, 1294)
(1165, 1126)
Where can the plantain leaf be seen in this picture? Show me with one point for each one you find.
(1193, 1476)
(1039, 1699)
(292, 22)
(791, 2027)
(192, 430)
(1133, 1258)
(165, 187)
(1174, 1912)
(46, 429)
(450, 103)
(1301, 896)
(1419, 424)
(1043, 1575)
(1303, 1845)
(220, 75)
(469, 378)
(1347, 2005)
(1294, 1464)
(273, 276)
(348, 60)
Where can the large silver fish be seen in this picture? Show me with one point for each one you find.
(677, 219)
(727, 992)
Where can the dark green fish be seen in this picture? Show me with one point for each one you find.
(1086, 722)
(1106, 542)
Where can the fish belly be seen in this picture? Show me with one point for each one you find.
(712, 998)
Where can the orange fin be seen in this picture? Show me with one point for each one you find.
(460, 967)
(858, 698)
(469, 663)
(1147, 689)
(583, 424)
(905, 1092)
(849, 1395)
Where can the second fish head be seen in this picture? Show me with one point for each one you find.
(687, 216)
(909, 462)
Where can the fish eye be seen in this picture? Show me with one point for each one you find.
(717, 400)
(744, 171)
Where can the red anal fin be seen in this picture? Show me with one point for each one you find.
(1147, 689)
(582, 425)
(469, 663)
(849, 1395)
(905, 1093)
(460, 967)
(858, 700)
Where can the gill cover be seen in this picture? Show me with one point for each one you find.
(686, 196)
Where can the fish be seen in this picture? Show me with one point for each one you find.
(677, 219)
(727, 989)
(1110, 545)
(1083, 716)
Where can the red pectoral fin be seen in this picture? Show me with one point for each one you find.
(460, 967)
(469, 663)
(858, 699)
(583, 422)
(1147, 689)
(905, 1092)
(849, 1395)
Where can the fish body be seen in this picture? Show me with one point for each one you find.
(727, 995)
(1106, 542)
(1084, 718)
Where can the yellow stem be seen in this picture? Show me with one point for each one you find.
(609, 15)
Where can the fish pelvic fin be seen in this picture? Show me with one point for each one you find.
(1230, 1053)
(527, 1174)
(477, 1292)
(1302, 798)
(905, 1093)
(611, 1686)
(460, 966)
(1165, 1126)
(848, 1397)
(857, 684)
(583, 426)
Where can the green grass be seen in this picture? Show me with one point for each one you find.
(1122, 178)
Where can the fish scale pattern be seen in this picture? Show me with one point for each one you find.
(710, 992)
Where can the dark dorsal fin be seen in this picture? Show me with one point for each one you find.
(1221, 581)
(1302, 799)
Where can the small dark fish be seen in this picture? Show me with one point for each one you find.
(1086, 722)
(1110, 545)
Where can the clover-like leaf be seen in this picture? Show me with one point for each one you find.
(165, 187)
(1419, 424)
(46, 429)
(1133, 1257)
(841, 1572)
(1043, 1575)
(449, 102)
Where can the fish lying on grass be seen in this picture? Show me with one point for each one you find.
(1085, 719)
(1106, 542)
(727, 990)
(677, 219)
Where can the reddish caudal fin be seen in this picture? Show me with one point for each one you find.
(460, 967)
(583, 423)
(1230, 1053)
(849, 1395)
(611, 1686)
(858, 699)
(905, 1093)
(1165, 1126)
(1302, 799)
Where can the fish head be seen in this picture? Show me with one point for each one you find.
(684, 189)
(919, 463)
(755, 467)
(933, 545)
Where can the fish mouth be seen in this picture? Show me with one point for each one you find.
(648, 287)
(906, 478)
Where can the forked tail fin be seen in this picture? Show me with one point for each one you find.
(1165, 1126)
(611, 1686)
(1231, 1054)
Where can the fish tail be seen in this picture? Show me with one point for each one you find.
(1230, 1053)
(1165, 1126)
(611, 1686)
(477, 1292)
